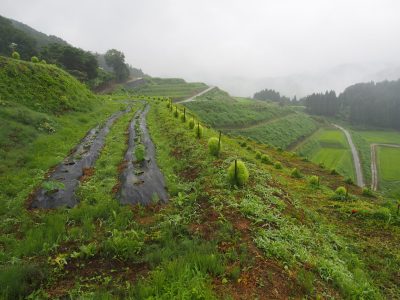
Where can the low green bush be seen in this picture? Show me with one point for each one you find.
(367, 192)
(258, 155)
(198, 129)
(176, 113)
(34, 59)
(140, 152)
(349, 180)
(15, 55)
(238, 173)
(314, 180)
(278, 165)
(214, 146)
(341, 193)
(296, 173)
(266, 159)
(191, 124)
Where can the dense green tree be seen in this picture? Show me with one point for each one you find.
(271, 95)
(116, 60)
(80, 63)
(12, 39)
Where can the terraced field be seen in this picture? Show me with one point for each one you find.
(328, 146)
(177, 89)
(279, 126)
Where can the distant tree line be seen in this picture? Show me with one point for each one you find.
(271, 95)
(374, 104)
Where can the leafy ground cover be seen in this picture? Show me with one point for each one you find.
(329, 147)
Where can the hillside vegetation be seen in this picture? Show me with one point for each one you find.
(175, 88)
(42, 87)
(279, 126)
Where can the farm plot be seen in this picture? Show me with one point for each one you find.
(330, 148)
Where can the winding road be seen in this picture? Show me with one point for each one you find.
(197, 95)
(374, 163)
(356, 158)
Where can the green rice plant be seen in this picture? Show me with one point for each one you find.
(34, 59)
(278, 165)
(258, 155)
(15, 55)
(140, 153)
(191, 124)
(296, 173)
(266, 159)
(198, 130)
(214, 146)
(238, 173)
(314, 180)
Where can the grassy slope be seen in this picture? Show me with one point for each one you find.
(259, 120)
(389, 170)
(177, 89)
(330, 148)
(277, 237)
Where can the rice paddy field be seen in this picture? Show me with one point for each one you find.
(329, 147)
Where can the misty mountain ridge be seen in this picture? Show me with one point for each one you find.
(302, 84)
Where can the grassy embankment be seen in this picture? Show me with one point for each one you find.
(175, 88)
(329, 147)
(259, 120)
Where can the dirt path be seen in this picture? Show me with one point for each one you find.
(68, 173)
(193, 98)
(356, 158)
(374, 163)
(141, 182)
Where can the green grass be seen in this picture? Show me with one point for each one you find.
(177, 89)
(43, 88)
(363, 140)
(330, 148)
(220, 110)
(389, 169)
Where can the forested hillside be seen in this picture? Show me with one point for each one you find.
(369, 104)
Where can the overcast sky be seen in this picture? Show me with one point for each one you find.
(219, 40)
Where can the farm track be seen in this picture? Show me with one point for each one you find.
(356, 157)
(193, 98)
(69, 172)
(374, 163)
(141, 182)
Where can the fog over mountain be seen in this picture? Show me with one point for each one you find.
(296, 47)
